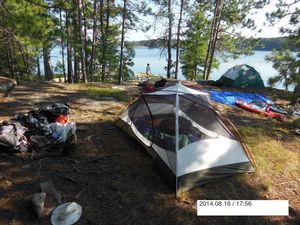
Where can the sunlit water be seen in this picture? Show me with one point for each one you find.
(158, 62)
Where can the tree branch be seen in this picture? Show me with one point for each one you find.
(55, 6)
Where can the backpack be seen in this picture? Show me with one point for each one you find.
(35, 122)
(53, 110)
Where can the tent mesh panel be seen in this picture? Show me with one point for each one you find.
(154, 117)
(201, 123)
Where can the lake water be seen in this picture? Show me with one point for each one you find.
(157, 63)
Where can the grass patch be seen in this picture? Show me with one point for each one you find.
(267, 184)
(85, 86)
(296, 121)
(98, 90)
(271, 157)
(108, 92)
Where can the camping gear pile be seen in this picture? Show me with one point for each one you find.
(151, 84)
(295, 109)
(191, 141)
(253, 102)
(45, 130)
(262, 108)
(245, 76)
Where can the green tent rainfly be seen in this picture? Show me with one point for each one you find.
(241, 76)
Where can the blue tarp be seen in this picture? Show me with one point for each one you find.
(229, 98)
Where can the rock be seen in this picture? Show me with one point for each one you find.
(48, 188)
(77, 196)
(38, 200)
(26, 166)
(8, 182)
(6, 85)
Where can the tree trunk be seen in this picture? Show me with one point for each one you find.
(220, 8)
(47, 67)
(92, 60)
(103, 58)
(10, 60)
(85, 42)
(13, 60)
(81, 40)
(76, 66)
(38, 68)
(169, 39)
(178, 40)
(122, 43)
(1, 68)
(27, 60)
(106, 35)
(23, 57)
(62, 48)
(75, 43)
(69, 50)
(213, 38)
(210, 43)
(296, 93)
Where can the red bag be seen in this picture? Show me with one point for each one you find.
(149, 88)
(63, 119)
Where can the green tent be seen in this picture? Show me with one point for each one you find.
(241, 76)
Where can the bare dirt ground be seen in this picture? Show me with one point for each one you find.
(111, 176)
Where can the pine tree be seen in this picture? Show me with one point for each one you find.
(283, 60)
(227, 19)
(26, 27)
(130, 21)
(194, 45)
(178, 38)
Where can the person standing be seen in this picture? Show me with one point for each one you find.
(148, 70)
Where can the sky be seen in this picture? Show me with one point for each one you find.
(259, 18)
(267, 31)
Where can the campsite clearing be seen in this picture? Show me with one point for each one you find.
(116, 182)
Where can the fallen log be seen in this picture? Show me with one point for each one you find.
(6, 85)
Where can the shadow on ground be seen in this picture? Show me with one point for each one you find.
(114, 180)
(125, 187)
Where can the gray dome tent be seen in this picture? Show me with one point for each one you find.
(241, 76)
(191, 141)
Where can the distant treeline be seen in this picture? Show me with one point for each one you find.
(268, 44)
(264, 44)
(152, 43)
